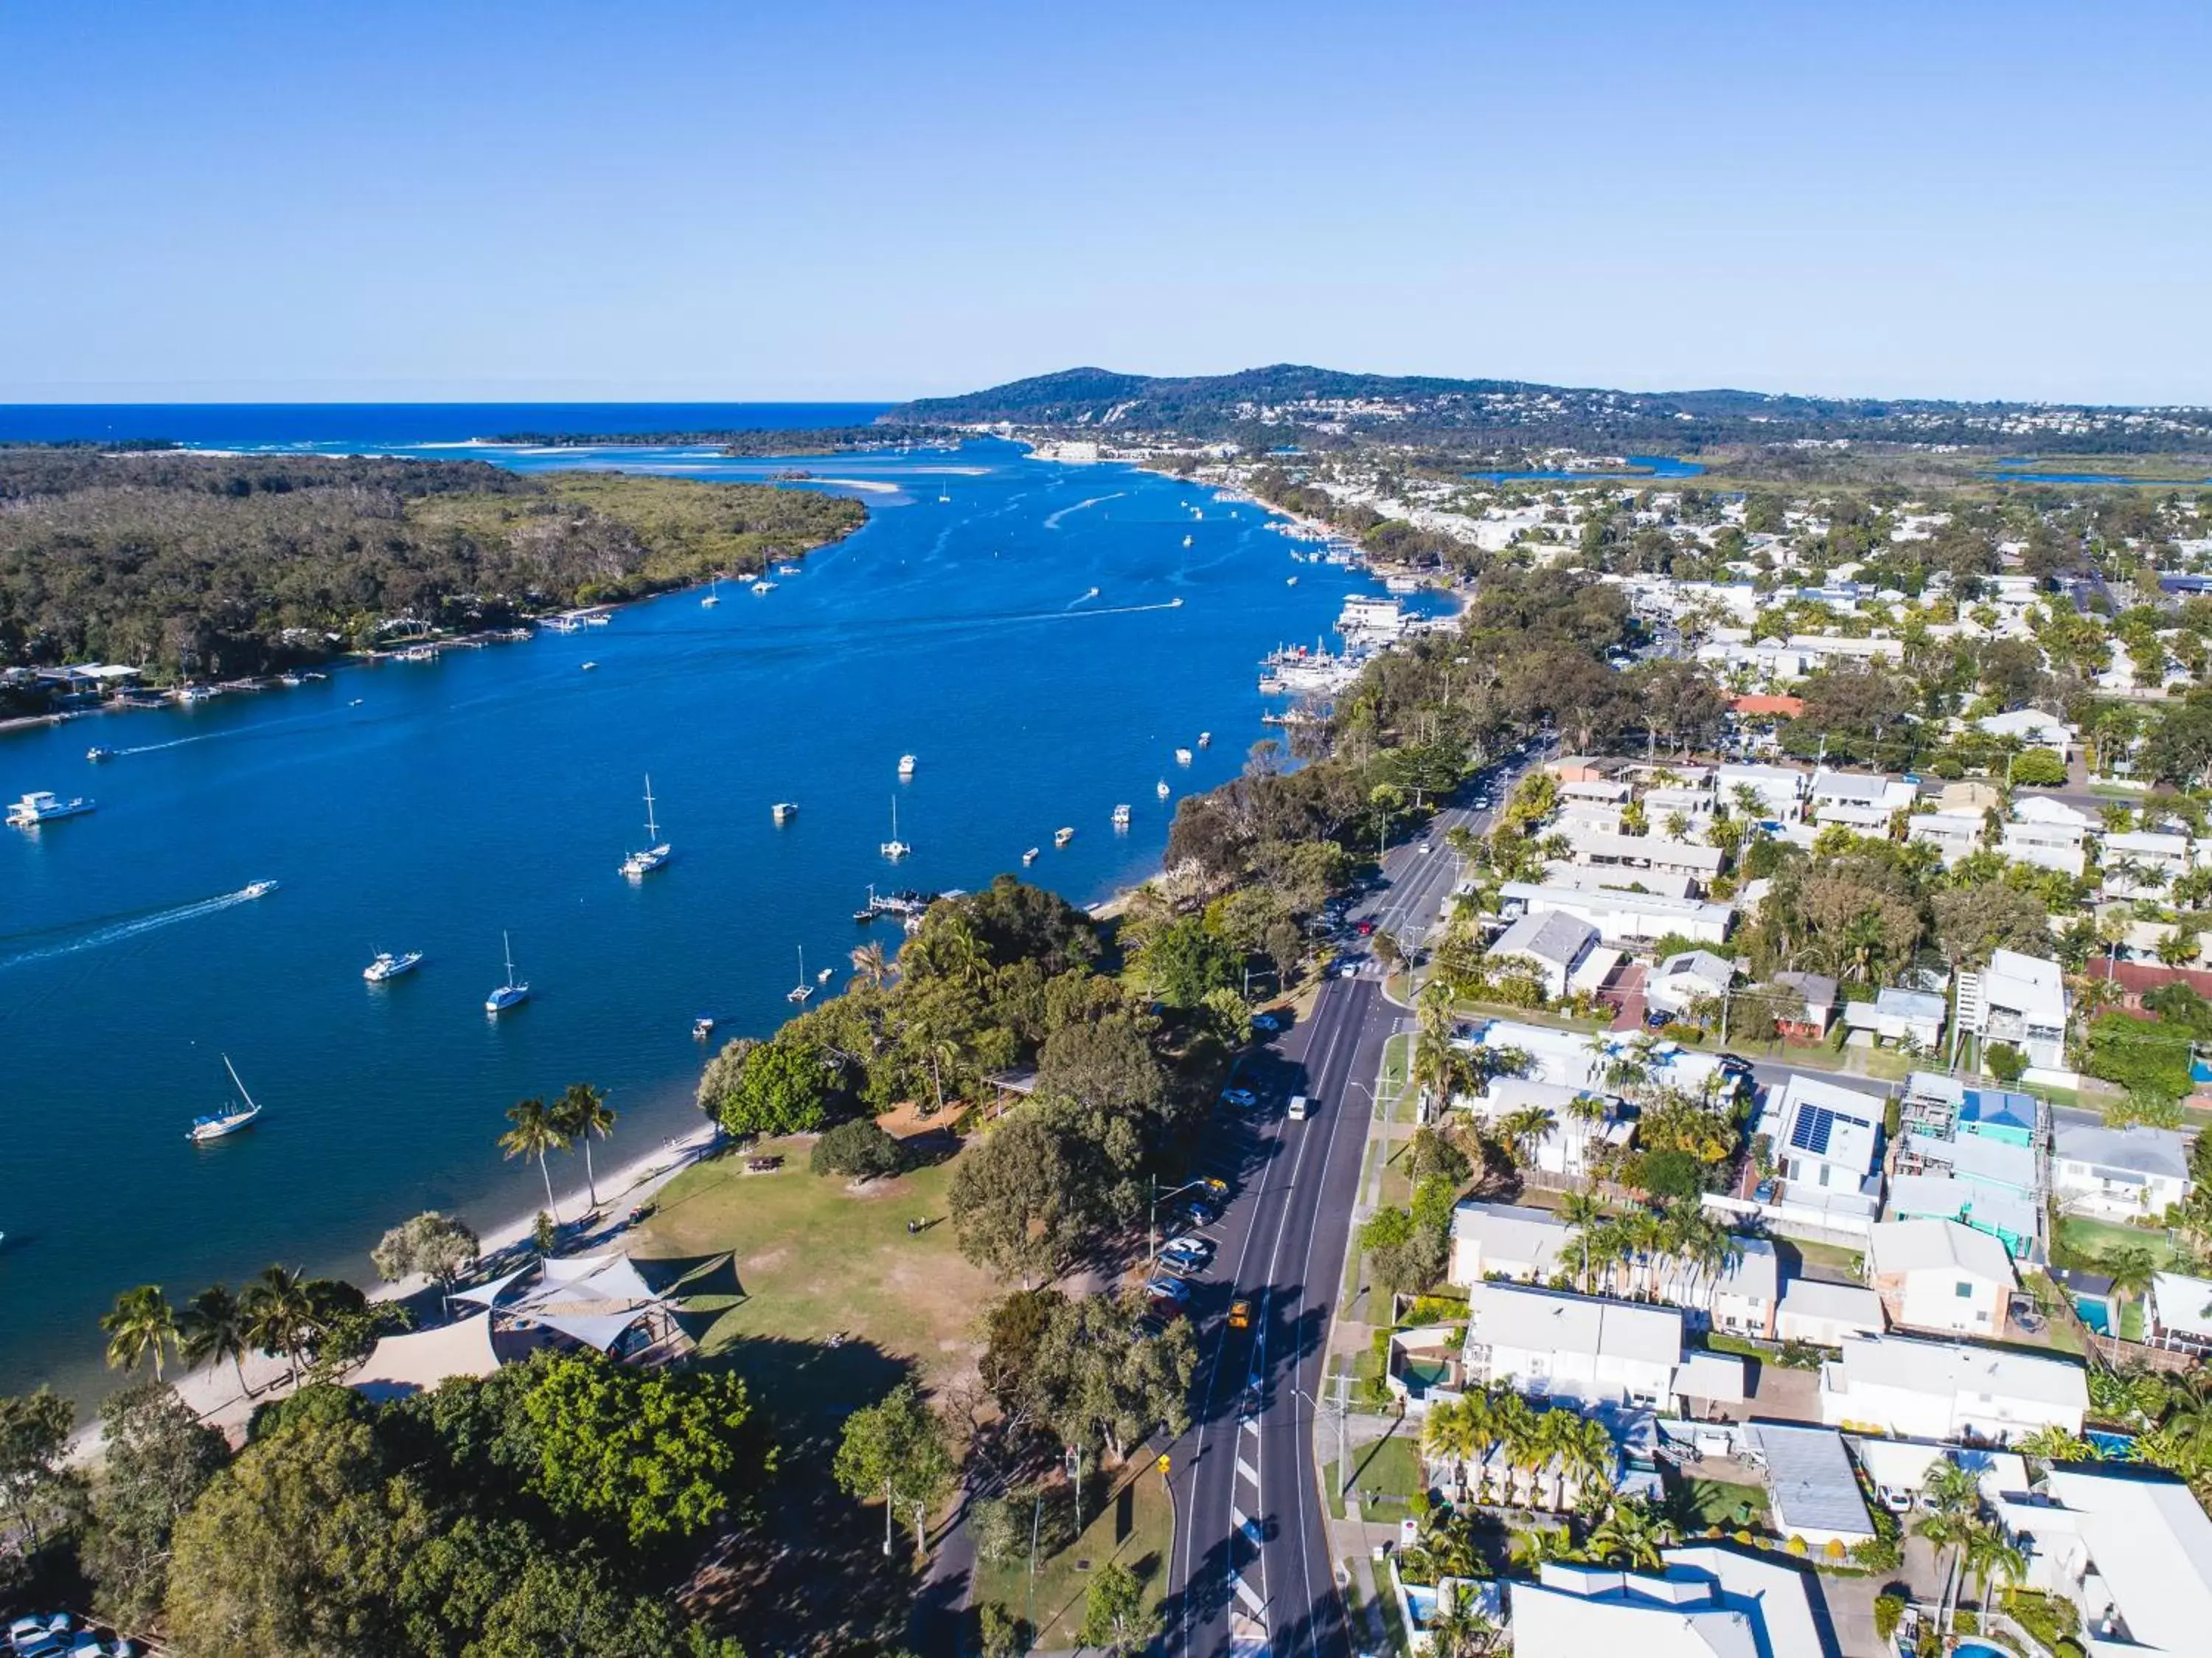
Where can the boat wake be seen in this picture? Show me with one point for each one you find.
(1088, 595)
(117, 929)
(1052, 520)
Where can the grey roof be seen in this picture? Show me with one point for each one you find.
(1517, 1234)
(1815, 1488)
(1818, 989)
(2144, 1150)
(1552, 936)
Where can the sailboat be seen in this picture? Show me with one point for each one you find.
(645, 862)
(230, 1119)
(944, 495)
(514, 991)
(802, 989)
(895, 849)
(713, 593)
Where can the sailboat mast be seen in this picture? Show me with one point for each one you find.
(233, 1070)
(651, 830)
(507, 945)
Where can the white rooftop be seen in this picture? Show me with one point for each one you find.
(1552, 1321)
(1711, 1602)
(1944, 1246)
(1948, 1370)
(2153, 1546)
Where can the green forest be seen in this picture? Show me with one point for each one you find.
(201, 565)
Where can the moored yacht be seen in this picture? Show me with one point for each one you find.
(763, 585)
(40, 806)
(1061, 836)
(1121, 816)
(1182, 757)
(1030, 856)
(1161, 788)
(784, 810)
(514, 991)
(657, 852)
(713, 595)
(895, 849)
(906, 765)
(801, 990)
(388, 966)
(217, 1124)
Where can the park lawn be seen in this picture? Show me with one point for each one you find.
(816, 1259)
(1136, 1527)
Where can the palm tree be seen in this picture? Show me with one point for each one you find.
(278, 1309)
(139, 1327)
(1529, 1549)
(1557, 1440)
(1453, 1433)
(1953, 1497)
(871, 966)
(1587, 1112)
(1523, 1130)
(1631, 1534)
(1584, 1213)
(1460, 1631)
(212, 1328)
(534, 1134)
(581, 1112)
(2052, 1443)
(1989, 1556)
(2130, 1268)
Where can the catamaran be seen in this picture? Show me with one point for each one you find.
(713, 593)
(231, 1119)
(1121, 816)
(802, 989)
(895, 849)
(645, 862)
(513, 993)
(388, 966)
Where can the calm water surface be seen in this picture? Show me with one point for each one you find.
(1019, 638)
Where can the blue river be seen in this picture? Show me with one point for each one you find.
(1013, 624)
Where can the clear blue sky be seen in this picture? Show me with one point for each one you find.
(822, 200)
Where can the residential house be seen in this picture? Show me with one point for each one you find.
(1608, 878)
(1584, 1348)
(1708, 1601)
(1746, 1298)
(1576, 768)
(2130, 1548)
(1938, 1275)
(1621, 917)
(2132, 1174)
(2032, 726)
(2177, 1312)
(2022, 1000)
(1827, 1142)
(1826, 1314)
(1997, 1114)
(1681, 980)
(1954, 835)
(1599, 791)
(1578, 1060)
(1917, 1389)
(1638, 853)
(1565, 1149)
(2012, 1219)
(1859, 801)
(1778, 790)
(1505, 1240)
(1812, 1485)
(1819, 991)
(2138, 862)
(1551, 945)
(1897, 1015)
(1979, 1160)
(1694, 805)
(2046, 846)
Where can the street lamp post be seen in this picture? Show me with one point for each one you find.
(1339, 1408)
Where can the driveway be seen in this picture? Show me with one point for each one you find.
(1627, 984)
(1785, 1394)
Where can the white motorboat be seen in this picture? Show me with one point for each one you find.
(1121, 816)
(787, 570)
(1030, 856)
(1182, 757)
(1161, 788)
(895, 849)
(703, 1027)
(96, 754)
(784, 810)
(388, 966)
(1061, 836)
(1205, 739)
(513, 993)
(906, 765)
(1186, 541)
(657, 852)
(40, 806)
(256, 889)
(763, 585)
(219, 1124)
(588, 666)
(801, 991)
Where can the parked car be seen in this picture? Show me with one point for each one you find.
(1365, 929)
(1243, 1098)
(1196, 1251)
(1265, 1022)
(1217, 1187)
(1200, 1212)
(1166, 1290)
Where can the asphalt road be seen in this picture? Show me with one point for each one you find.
(1252, 1564)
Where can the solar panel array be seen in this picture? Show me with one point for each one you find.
(1811, 1131)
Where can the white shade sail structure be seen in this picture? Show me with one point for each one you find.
(591, 1299)
(483, 1294)
(419, 1361)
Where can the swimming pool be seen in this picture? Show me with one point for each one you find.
(1978, 1650)
(2096, 1311)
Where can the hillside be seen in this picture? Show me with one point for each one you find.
(192, 565)
(1291, 403)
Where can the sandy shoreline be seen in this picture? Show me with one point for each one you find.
(213, 1391)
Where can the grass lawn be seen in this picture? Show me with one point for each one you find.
(2059, 1330)
(1389, 1468)
(1703, 1502)
(1136, 1527)
(1835, 1261)
(2092, 1240)
(1397, 1054)
(816, 1257)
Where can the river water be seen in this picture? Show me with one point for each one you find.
(1011, 623)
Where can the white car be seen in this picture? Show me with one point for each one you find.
(1243, 1098)
(1186, 1253)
